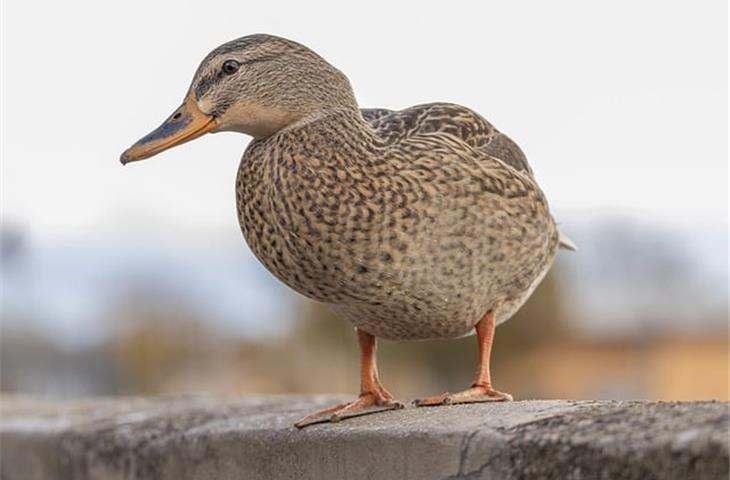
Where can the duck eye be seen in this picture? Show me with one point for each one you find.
(230, 67)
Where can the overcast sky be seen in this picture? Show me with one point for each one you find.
(620, 106)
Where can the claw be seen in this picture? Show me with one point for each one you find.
(432, 401)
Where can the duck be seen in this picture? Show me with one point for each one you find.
(414, 224)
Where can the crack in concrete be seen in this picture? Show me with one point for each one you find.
(464, 452)
(231, 438)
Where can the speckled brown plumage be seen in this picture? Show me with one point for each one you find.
(408, 225)
(413, 224)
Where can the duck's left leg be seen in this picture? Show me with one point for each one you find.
(481, 390)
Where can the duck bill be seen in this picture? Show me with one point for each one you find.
(186, 123)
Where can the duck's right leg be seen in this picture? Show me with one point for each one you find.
(373, 396)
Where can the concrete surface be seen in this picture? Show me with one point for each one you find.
(224, 438)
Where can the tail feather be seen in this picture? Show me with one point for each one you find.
(566, 243)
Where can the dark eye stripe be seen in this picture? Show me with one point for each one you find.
(207, 81)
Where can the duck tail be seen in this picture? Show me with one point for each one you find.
(566, 243)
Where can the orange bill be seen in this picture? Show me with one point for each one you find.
(185, 124)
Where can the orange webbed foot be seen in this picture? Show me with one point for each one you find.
(474, 394)
(365, 404)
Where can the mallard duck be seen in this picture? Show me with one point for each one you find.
(414, 224)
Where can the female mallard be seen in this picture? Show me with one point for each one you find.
(413, 224)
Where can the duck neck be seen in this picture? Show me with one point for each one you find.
(343, 120)
(340, 134)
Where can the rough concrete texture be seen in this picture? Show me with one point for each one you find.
(253, 438)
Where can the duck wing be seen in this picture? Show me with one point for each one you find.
(458, 121)
(448, 118)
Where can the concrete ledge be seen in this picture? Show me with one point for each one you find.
(252, 438)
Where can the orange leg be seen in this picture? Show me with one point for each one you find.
(481, 390)
(373, 396)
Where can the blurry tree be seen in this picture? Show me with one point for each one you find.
(157, 341)
(13, 246)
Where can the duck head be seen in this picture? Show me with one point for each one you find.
(257, 85)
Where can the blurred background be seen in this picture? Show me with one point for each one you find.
(136, 280)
